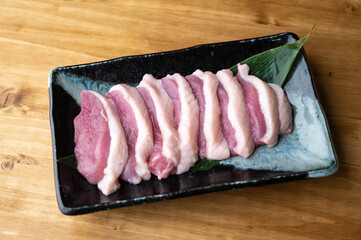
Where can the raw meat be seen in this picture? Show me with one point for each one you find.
(235, 119)
(165, 156)
(262, 107)
(186, 110)
(101, 147)
(284, 110)
(138, 129)
(162, 126)
(211, 142)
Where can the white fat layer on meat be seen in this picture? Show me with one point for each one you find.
(284, 109)
(118, 150)
(268, 103)
(144, 142)
(164, 110)
(188, 128)
(237, 113)
(217, 147)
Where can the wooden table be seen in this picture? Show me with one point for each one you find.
(38, 35)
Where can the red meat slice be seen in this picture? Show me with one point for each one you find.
(284, 110)
(138, 130)
(235, 120)
(211, 142)
(165, 156)
(262, 107)
(186, 115)
(101, 148)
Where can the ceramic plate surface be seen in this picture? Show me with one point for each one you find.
(307, 152)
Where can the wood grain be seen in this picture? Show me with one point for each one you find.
(38, 35)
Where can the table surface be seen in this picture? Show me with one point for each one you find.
(38, 35)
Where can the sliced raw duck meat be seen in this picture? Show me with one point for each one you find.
(262, 107)
(211, 142)
(101, 146)
(162, 126)
(235, 119)
(284, 110)
(186, 115)
(165, 156)
(138, 130)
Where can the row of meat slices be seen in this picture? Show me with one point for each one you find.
(163, 126)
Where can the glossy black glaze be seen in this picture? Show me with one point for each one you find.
(76, 196)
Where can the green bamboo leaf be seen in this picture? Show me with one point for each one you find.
(69, 161)
(273, 66)
(204, 164)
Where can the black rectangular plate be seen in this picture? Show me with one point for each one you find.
(76, 196)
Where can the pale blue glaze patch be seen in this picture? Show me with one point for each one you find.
(74, 85)
(307, 148)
